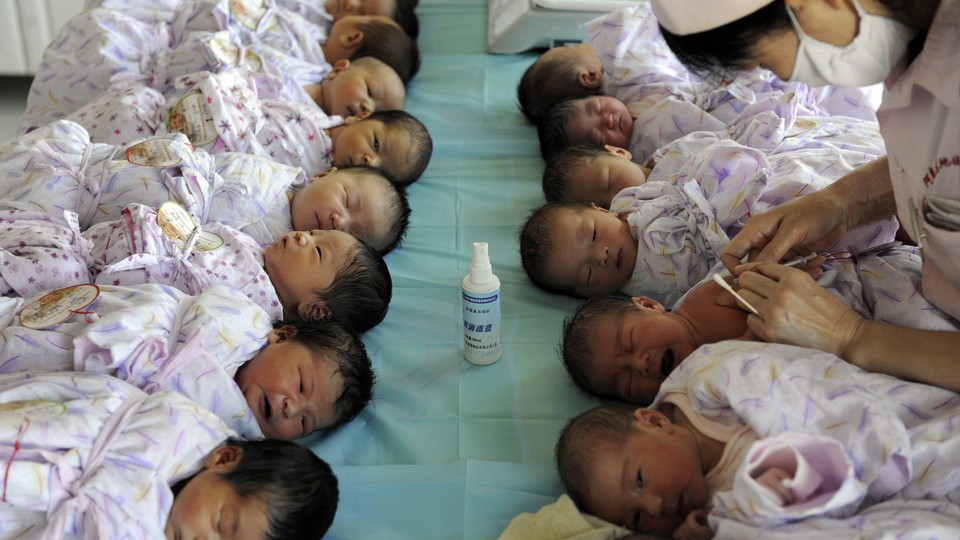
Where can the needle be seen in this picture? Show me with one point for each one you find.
(801, 260)
(720, 281)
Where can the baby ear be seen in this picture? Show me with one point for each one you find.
(652, 418)
(643, 302)
(315, 311)
(339, 66)
(223, 459)
(617, 151)
(322, 174)
(279, 335)
(590, 78)
(355, 118)
(352, 40)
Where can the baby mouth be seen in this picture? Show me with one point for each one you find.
(666, 363)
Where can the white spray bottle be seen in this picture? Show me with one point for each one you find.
(481, 309)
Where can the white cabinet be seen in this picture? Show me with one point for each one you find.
(26, 27)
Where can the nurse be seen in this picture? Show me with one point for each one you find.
(913, 46)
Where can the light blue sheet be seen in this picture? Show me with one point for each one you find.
(449, 449)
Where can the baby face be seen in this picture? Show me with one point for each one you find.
(373, 143)
(593, 252)
(354, 203)
(648, 484)
(300, 263)
(598, 180)
(630, 356)
(600, 120)
(365, 86)
(210, 507)
(291, 390)
(343, 8)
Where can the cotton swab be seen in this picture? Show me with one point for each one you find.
(720, 281)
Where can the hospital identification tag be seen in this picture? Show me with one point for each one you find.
(191, 116)
(153, 153)
(58, 306)
(178, 225)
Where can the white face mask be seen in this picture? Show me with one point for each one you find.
(868, 59)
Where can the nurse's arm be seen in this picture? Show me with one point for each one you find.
(907, 353)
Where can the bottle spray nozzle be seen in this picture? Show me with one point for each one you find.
(480, 269)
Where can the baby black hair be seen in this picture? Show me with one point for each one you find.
(575, 335)
(607, 424)
(557, 175)
(390, 44)
(552, 131)
(547, 83)
(536, 245)
(407, 18)
(399, 208)
(299, 488)
(422, 143)
(328, 339)
(359, 296)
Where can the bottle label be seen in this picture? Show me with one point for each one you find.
(481, 327)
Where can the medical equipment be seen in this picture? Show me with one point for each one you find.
(515, 26)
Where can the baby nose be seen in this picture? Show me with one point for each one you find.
(652, 505)
(291, 408)
(340, 221)
(603, 257)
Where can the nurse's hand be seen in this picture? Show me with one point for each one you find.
(795, 310)
(811, 223)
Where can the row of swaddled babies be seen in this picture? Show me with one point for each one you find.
(209, 187)
(650, 171)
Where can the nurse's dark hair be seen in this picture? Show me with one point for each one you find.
(604, 425)
(713, 52)
(299, 488)
(328, 340)
(577, 330)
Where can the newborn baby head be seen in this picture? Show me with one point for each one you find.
(588, 173)
(401, 11)
(364, 85)
(559, 74)
(633, 467)
(577, 249)
(309, 376)
(596, 120)
(623, 348)
(329, 275)
(393, 141)
(355, 199)
(358, 36)
(255, 490)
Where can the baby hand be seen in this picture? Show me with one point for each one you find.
(773, 479)
(695, 527)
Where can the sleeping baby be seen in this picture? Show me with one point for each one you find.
(90, 456)
(220, 349)
(57, 168)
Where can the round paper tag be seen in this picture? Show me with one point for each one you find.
(13, 412)
(248, 12)
(153, 153)
(192, 117)
(177, 224)
(58, 306)
(227, 52)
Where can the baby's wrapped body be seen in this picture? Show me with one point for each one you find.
(57, 168)
(703, 190)
(90, 456)
(154, 337)
(898, 457)
(219, 112)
